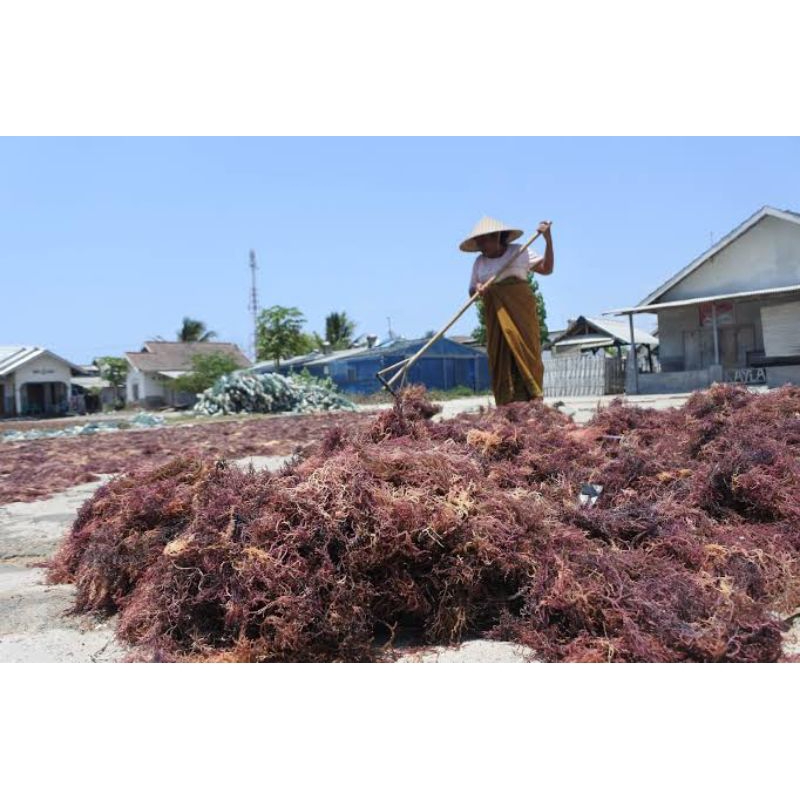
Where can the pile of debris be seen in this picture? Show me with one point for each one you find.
(253, 393)
(139, 420)
(689, 549)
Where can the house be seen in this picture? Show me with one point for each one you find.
(91, 392)
(548, 343)
(593, 334)
(34, 381)
(153, 370)
(468, 339)
(446, 365)
(588, 357)
(286, 365)
(732, 314)
(318, 357)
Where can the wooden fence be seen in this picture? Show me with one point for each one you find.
(574, 376)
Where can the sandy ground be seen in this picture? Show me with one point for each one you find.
(791, 642)
(475, 651)
(35, 623)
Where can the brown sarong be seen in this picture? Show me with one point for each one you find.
(513, 342)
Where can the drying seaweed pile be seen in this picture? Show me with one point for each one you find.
(139, 420)
(36, 469)
(433, 532)
(251, 393)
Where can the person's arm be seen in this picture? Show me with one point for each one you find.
(473, 281)
(543, 265)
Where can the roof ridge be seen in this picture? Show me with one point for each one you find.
(723, 242)
(215, 342)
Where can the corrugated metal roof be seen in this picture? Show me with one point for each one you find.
(410, 345)
(385, 348)
(294, 361)
(617, 330)
(326, 358)
(92, 382)
(588, 340)
(13, 356)
(459, 339)
(621, 330)
(696, 301)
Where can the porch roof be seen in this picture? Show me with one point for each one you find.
(696, 301)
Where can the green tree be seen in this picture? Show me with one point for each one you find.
(339, 331)
(193, 330)
(306, 344)
(205, 371)
(115, 371)
(279, 334)
(479, 333)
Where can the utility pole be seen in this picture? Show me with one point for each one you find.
(253, 304)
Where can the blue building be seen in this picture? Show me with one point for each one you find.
(446, 365)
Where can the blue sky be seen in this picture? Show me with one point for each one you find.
(107, 242)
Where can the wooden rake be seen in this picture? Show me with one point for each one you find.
(401, 368)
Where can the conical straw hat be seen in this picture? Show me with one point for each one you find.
(484, 226)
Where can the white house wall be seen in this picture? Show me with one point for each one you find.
(133, 378)
(674, 323)
(765, 257)
(155, 390)
(152, 386)
(43, 369)
(150, 389)
(7, 396)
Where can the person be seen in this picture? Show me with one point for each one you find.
(512, 320)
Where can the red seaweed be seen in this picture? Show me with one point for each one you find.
(403, 528)
(34, 469)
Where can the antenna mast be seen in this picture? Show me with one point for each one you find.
(252, 306)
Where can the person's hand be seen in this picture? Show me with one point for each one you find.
(544, 227)
(481, 289)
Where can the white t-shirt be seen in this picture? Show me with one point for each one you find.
(484, 268)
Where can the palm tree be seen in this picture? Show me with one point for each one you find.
(339, 330)
(193, 330)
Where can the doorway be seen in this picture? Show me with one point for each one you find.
(43, 399)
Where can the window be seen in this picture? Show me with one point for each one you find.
(135, 388)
